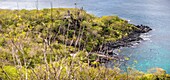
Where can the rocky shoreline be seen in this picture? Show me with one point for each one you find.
(133, 36)
(108, 48)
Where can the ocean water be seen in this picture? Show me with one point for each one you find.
(153, 52)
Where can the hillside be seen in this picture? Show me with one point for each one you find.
(57, 44)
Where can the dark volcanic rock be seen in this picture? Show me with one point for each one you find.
(143, 29)
(108, 48)
(127, 41)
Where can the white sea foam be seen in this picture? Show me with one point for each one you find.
(146, 37)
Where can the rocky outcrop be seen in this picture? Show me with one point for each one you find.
(107, 52)
(127, 41)
(143, 29)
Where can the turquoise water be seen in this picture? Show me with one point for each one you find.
(153, 52)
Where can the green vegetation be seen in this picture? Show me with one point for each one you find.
(55, 44)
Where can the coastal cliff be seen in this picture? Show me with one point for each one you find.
(63, 43)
